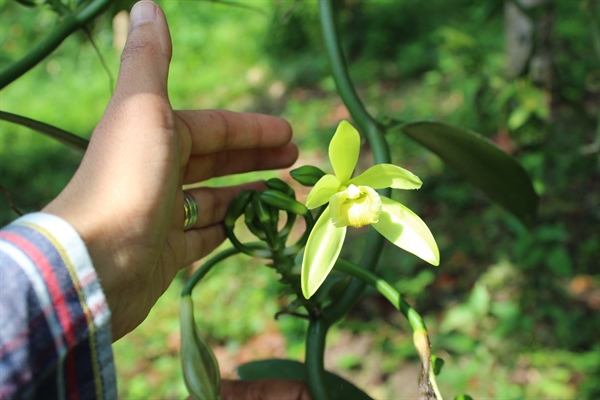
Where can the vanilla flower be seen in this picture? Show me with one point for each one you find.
(355, 202)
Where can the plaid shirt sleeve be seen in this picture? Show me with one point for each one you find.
(55, 339)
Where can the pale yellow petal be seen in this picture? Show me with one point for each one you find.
(343, 151)
(382, 176)
(326, 187)
(322, 250)
(406, 230)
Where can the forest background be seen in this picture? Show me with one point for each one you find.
(514, 312)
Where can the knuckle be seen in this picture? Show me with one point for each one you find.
(136, 47)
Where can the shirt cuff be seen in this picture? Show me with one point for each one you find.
(73, 251)
(72, 248)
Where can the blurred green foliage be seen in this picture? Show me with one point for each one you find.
(514, 313)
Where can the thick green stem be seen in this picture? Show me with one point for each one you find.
(70, 24)
(374, 133)
(339, 69)
(367, 124)
(314, 361)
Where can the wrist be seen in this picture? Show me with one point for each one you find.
(104, 257)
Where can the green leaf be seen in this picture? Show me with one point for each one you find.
(559, 262)
(322, 250)
(437, 364)
(518, 117)
(382, 176)
(485, 165)
(339, 388)
(343, 151)
(405, 229)
(479, 300)
(31, 3)
(460, 317)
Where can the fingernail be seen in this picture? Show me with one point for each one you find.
(142, 12)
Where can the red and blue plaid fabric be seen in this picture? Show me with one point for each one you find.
(55, 339)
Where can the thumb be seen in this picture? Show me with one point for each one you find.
(147, 53)
(138, 113)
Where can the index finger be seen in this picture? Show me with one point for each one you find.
(218, 130)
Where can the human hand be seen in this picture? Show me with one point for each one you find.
(264, 389)
(126, 198)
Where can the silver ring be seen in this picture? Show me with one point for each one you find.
(190, 208)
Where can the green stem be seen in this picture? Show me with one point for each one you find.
(428, 383)
(284, 264)
(205, 269)
(433, 381)
(70, 24)
(339, 69)
(62, 136)
(368, 125)
(374, 133)
(594, 8)
(315, 367)
(387, 290)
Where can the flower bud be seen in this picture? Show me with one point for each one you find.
(279, 185)
(307, 175)
(280, 201)
(237, 207)
(198, 363)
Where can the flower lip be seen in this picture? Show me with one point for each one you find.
(356, 206)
